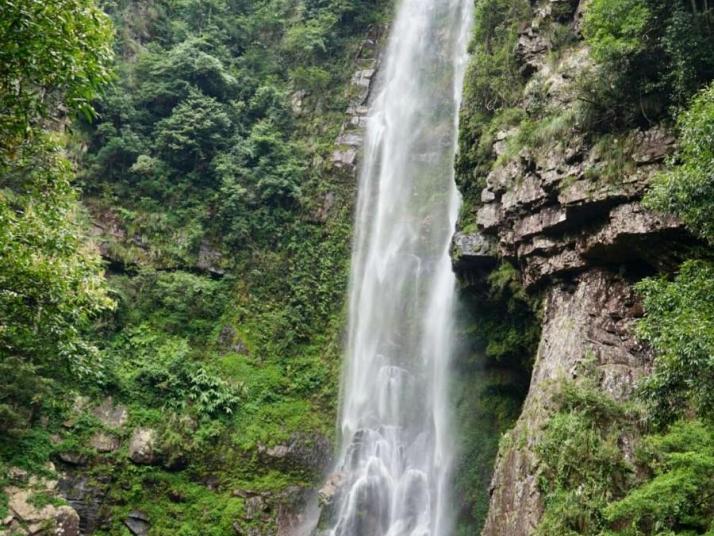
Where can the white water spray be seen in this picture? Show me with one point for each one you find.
(396, 443)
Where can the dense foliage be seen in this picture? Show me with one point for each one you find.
(592, 487)
(583, 467)
(203, 170)
(493, 86)
(51, 285)
(650, 55)
(680, 326)
(201, 124)
(52, 55)
(687, 188)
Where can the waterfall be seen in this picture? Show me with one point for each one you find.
(396, 444)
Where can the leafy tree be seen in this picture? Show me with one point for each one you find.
(687, 187)
(51, 284)
(614, 28)
(679, 496)
(52, 55)
(195, 131)
(650, 54)
(680, 325)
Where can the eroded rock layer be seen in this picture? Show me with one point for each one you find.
(570, 220)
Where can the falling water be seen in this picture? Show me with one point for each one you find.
(397, 448)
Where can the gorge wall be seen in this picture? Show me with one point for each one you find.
(561, 207)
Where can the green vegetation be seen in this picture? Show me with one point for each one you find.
(687, 187)
(493, 85)
(677, 497)
(592, 487)
(651, 55)
(51, 286)
(667, 487)
(218, 320)
(605, 468)
(52, 55)
(583, 466)
(501, 330)
(680, 326)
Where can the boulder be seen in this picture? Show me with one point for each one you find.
(104, 442)
(66, 521)
(472, 251)
(49, 519)
(110, 414)
(304, 452)
(142, 446)
(73, 457)
(210, 259)
(138, 523)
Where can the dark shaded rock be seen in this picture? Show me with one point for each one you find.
(530, 50)
(473, 251)
(563, 10)
(87, 496)
(210, 259)
(632, 233)
(73, 458)
(229, 340)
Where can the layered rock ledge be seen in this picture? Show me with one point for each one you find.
(572, 223)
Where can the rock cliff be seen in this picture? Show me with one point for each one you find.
(567, 215)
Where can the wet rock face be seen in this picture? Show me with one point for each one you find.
(349, 142)
(87, 496)
(287, 508)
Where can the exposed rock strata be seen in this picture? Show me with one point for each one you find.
(580, 238)
(349, 142)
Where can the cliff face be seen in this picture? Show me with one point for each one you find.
(569, 219)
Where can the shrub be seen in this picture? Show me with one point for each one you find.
(678, 498)
(687, 187)
(680, 325)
